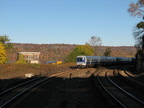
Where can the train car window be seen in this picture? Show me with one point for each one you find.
(79, 59)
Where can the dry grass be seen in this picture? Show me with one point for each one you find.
(13, 70)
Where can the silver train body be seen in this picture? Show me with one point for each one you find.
(92, 61)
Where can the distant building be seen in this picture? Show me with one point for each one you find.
(30, 57)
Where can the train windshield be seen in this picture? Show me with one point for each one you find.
(80, 59)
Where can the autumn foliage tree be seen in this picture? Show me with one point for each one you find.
(21, 59)
(79, 50)
(3, 58)
(6, 45)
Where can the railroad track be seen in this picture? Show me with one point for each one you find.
(128, 82)
(134, 77)
(13, 93)
(18, 85)
(122, 97)
(110, 83)
(130, 78)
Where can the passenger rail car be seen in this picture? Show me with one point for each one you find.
(92, 61)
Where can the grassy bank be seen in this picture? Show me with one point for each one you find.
(13, 70)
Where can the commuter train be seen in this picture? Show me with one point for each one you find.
(92, 61)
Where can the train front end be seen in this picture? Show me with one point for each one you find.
(81, 61)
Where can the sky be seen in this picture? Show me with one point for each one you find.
(67, 21)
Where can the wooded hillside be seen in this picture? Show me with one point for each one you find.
(54, 52)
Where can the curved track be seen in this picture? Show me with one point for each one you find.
(15, 92)
(122, 97)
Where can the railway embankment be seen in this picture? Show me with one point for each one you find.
(13, 74)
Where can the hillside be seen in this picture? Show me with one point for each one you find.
(52, 52)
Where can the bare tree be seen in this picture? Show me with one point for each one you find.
(95, 42)
(135, 9)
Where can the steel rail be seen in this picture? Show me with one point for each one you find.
(6, 103)
(138, 100)
(122, 105)
(30, 87)
(14, 87)
(140, 80)
(1, 93)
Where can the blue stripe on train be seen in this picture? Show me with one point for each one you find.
(91, 62)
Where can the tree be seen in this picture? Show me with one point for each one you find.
(79, 50)
(21, 59)
(138, 33)
(3, 58)
(107, 52)
(5, 40)
(95, 42)
(135, 9)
